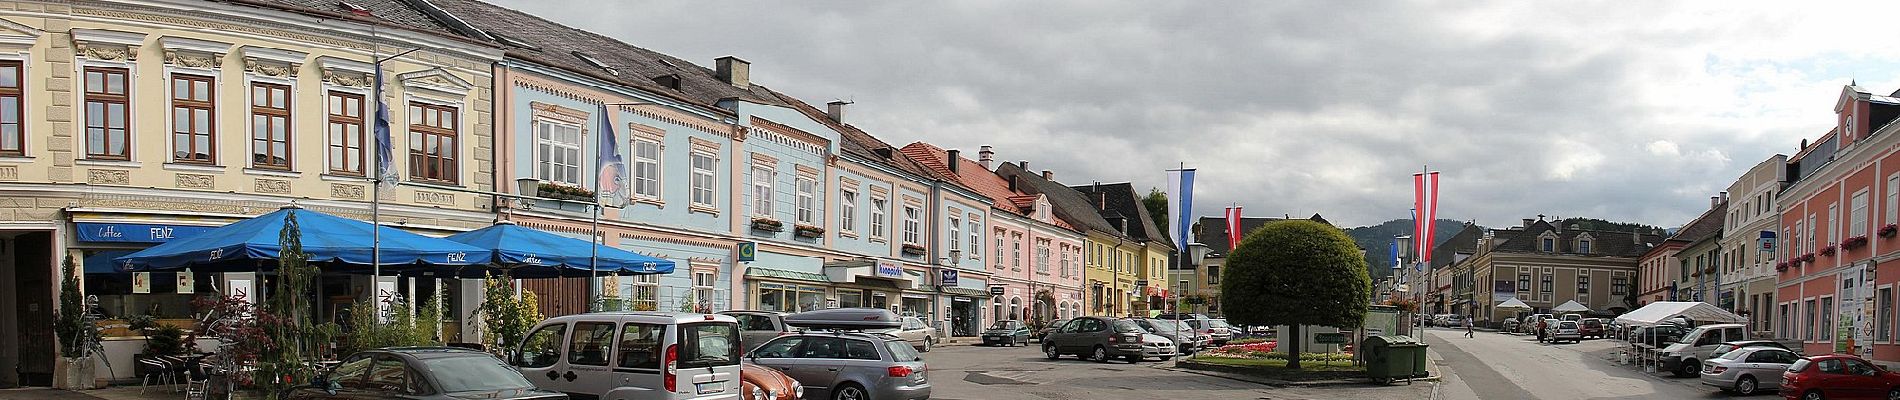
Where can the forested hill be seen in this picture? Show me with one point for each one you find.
(1377, 240)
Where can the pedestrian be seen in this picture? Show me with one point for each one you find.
(1468, 331)
(1541, 324)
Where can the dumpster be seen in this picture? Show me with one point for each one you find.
(1419, 359)
(1390, 357)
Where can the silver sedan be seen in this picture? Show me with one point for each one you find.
(1748, 370)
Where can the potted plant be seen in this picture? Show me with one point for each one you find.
(767, 224)
(1828, 250)
(1781, 266)
(78, 334)
(563, 192)
(1854, 242)
(913, 249)
(1808, 257)
(1889, 230)
(808, 231)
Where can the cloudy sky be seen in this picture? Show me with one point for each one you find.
(1632, 111)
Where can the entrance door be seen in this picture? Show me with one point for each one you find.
(33, 275)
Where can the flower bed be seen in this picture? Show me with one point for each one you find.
(1246, 350)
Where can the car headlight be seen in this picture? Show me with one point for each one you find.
(798, 391)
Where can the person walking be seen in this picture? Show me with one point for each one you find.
(1541, 324)
(1468, 328)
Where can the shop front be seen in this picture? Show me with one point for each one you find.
(870, 283)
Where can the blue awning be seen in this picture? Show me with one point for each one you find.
(102, 262)
(327, 239)
(532, 252)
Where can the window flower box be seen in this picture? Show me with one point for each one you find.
(764, 224)
(1781, 266)
(1854, 242)
(808, 231)
(913, 249)
(1889, 230)
(1828, 250)
(1809, 257)
(563, 192)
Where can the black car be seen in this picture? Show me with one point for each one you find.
(422, 373)
(1006, 332)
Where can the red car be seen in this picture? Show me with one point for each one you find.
(1838, 376)
(1590, 328)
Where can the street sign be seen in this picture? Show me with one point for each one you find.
(748, 251)
(1329, 338)
(1141, 282)
(947, 277)
(996, 290)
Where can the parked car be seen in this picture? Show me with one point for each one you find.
(1184, 339)
(1683, 358)
(1572, 317)
(1656, 335)
(1726, 347)
(1838, 376)
(645, 354)
(757, 327)
(834, 358)
(1508, 325)
(1217, 333)
(1455, 321)
(1590, 328)
(758, 382)
(1006, 332)
(1747, 370)
(913, 330)
(1043, 334)
(1563, 330)
(422, 373)
(1102, 338)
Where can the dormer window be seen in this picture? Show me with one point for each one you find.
(1583, 246)
(596, 63)
(1549, 244)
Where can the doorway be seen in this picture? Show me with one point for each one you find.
(26, 336)
(964, 317)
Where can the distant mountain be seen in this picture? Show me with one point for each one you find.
(1377, 240)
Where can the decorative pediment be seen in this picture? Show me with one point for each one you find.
(436, 80)
(273, 62)
(193, 53)
(108, 45)
(16, 36)
(346, 72)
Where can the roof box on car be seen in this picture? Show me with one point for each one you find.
(845, 318)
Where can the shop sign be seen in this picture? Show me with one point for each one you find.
(187, 284)
(888, 269)
(141, 282)
(135, 233)
(996, 290)
(748, 251)
(947, 277)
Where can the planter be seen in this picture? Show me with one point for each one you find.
(1889, 230)
(1854, 242)
(808, 231)
(767, 225)
(75, 373)
(913, 249)
(1809, 257)
(563, 192)
(1828, 250)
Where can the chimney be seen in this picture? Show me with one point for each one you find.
(984, 155)
(1048, 175)
(1636, 236)
(1715, 201)
(1024, 164)
(835, 109)
(734, 71)
(1527, 223)
(953, 158)
(1012, 183)
(1725, 197)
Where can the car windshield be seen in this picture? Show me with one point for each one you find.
(474, 373)
(1122, 325)
(901, 351)
(1729, 355)
(1567, 325)
(1166, 325)
(1217, 323)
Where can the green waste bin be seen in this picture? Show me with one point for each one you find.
(1419, 360)
(1390, 357)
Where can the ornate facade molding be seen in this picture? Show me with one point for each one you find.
(193, 53)
(107, 45)
(273, 62)
(346, 72)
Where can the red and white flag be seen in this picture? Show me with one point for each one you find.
(1233, 227)
(1425, 212)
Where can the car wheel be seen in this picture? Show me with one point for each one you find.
(1747, 385)
(1814, 395)
(1100, 355)
(1049, 350)
(1690, 367)
(1893, 394)
(850, 391)
(927, 344)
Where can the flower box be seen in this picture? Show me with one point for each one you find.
(1889, 230)
(1854, 242)
(767, 225)
(913, 249)
(1809, 257)
(563, 192)
(1781, 266)
(808, 231)
(1828, 250)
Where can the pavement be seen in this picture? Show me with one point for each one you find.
(1010, 373)
(1502, 366)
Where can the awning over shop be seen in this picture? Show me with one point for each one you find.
(853, 271)
(1693, 310)
(529, 252)
(785, 274)
(327, 239)
(966, 292)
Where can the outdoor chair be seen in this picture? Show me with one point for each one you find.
(156, 369)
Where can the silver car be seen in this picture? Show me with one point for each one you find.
(1186, 340)
(1748, 370)
(914, 331)
(847, 365)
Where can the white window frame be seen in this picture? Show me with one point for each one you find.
(1834, 223)
(956, 232)
(646, 283)
(807, 200)
(913, 224)
(999, 248)
(542, 138)
(703, 291)
(879, 208)
(1893, 198)
(1042, 257)
(1811, 236)
(655, 182)
(1016, 251)
(1857, 211)
(1064, 263)
(847, 210)
(976, 239)
(709, 186)
(762, 177)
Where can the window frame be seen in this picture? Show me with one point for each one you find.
(106, 99)
(337, 115)
(879, 212)
(805, 200)
(448, 163)
(17, 92)
(655, 182)
(847, 211)
(710, 176)
(272, 114)
(762, 182)
(188, 103)
(956, 232)
(913, 224)
(544, 132)
(1857, 213)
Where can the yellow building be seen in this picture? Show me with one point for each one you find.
(1128, 260)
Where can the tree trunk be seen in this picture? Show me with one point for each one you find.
(1293, 347)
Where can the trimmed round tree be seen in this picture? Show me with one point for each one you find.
(1293, 273)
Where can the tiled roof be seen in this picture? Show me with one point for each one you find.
(1465, 241)
(972, 175)
(397, 12)
(1212, 231)
(546, 42)
(1069, 204)
(1603, 243)
(1705, 226)
(859, 143)
(1123, 202)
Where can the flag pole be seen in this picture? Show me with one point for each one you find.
(376, 183)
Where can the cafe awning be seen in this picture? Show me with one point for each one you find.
(529, 252)
(252, 244)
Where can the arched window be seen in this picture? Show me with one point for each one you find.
(1015, 308)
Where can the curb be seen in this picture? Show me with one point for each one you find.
(1286, 383)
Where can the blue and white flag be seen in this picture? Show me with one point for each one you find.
(611, 186)
(1181, 205)
(385, 169)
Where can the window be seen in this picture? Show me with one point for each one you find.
(1857, 224)
(879, 206)
(1550, 244)
(762, 191)
(591, 343)
(913, 225)
(12, 128)
(1833, 223)
(640, 346)
(976, 240)
(432, 145)
(1810, 235)
(270, 126)
(1545, 283)
(847, 210)
(1016, 251)
(1619, 285)
(557, 152)
(646, 168)
(706, 345)
(807, 196)
(1042, 256)
(107, 110)
(1064, 266)
(194, 107)
(542, 349)
(1810, 311)
(1583, 282)
(388, 375)
(999, 250)
(956, 233)
(1213, 274)
(1784, 331)
(346, 148)
(703, 282)
(1883, 325)
(350, 373)
(1583, 246)
(1827, 319)
(702, 179)
(1524, 282)
(1893, 199)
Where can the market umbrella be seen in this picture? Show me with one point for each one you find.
(1514, 304)
(1571, 306)
(328, 240)
(533, 253)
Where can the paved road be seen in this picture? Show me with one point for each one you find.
(1005, 373)
(1498, 366)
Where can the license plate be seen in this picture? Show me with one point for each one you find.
(710, 387)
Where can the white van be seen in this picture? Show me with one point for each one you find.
(634, 355)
